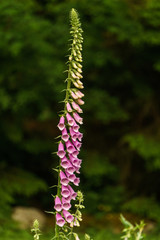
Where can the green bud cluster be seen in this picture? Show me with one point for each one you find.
(36, 230)
(75, 67)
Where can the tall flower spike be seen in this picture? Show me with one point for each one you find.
(69, 147)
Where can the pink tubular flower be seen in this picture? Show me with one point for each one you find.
(70, 169)
(65, 204)
(65, 162)
(79, 94)
(80, 136)
(80, 101)
(78, 118)
(61, 153)
(75, 127)
(76, 107)
(59, 220)
(74, 96)
(73, 133)
(77, 144)
(70, 120)
(69, 109)
(64, 180)
(65, 191)
(76, 181)
(69, 146)
(61, 125)
(58, 204)
(74, 161)
(65, 135)
(70, 176)
(69, 218)
(73, 193)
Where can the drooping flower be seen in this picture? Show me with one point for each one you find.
(65, 135)
(61, 124)
(65, 204)
(59, 220)
(58, 204)
(64, 179)
(61, 153)
(69, 218)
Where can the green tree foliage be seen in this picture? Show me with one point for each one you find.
(121, 78)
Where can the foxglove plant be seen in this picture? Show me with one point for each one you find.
(70, 142)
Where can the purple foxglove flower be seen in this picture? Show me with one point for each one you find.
(76, 107)
(70, 176)
(69, 109)
(80, 101)
(59, 220)
(74, 96)
(65, 192)
(75, 153)
(78, 118)
(79, 136)
(70, 169)
(75, 127)
(61, 153)
(68, 199)
(58, 204)
(65, 204)
(61, 124)
(73, 134)
(65, 135)
(69, 218)
(74, 161)
(69, 146)
(64, 179)
(70, 120)
(73, 193)
(77, 144)
(65, 162)
(76, 181)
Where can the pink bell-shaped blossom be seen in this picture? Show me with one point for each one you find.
(79, 94)
(70, 169)
(58, 204)
(65, 135)
(75, 127)
(69, 109)
(61, 124)
(68, 199)
(79, 136)
(73, 134)
(69, 146)
(65, 191)
(75, 153)
(59, 220)
(77, 144)
(69, 218)
(80, 101)
(73, 193)
(70, 120)
(65, 204)
(64, 179)
(61, 153)
(74, 96)
(76, 107)
(70, 176)
(76, 181)
(65, 163)
(78, 118)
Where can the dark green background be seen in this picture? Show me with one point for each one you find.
(121, 146)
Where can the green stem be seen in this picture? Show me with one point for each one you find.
(59, 184)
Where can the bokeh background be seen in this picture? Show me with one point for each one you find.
(121, 146)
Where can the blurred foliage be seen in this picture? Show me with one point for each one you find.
(121, 115)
